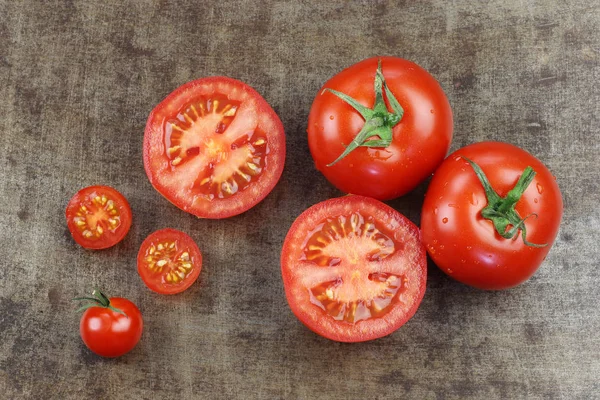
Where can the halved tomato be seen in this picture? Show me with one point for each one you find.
(98, 217)
(169, 261)
(214, 147)
(354, 269)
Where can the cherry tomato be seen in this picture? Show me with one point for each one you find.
(98, 217)
(392, 146)
(110, 327)
(495, 238)
(353, 268)
(214, 147)
(169, 261)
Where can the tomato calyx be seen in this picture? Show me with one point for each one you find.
(99, 299)
(378, 120)
(501, 210)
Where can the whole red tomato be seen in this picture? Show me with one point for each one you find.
(110, 327)
(379, 131)
(491, 214)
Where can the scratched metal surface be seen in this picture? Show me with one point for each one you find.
(77, 81)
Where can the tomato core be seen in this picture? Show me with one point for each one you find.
(352, 241)
(196, 139)
(169, 261)
(96, 215)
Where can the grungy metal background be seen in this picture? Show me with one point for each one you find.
(77, 81)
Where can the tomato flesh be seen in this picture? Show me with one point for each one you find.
(230, 163)
(98, 217)
(353, 268)
(358, 292)
(169, 261)
(214, 147)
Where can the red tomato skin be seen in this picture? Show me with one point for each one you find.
(360, 332)
(154, 159)
(111, 334)
(465, 245)
(420, 140)
(125, 213)
(195, 255)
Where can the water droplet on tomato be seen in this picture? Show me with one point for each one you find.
(469, 247)
(331, 117)
(451, 205)
(540, 188)
(441, 247)
(431, 111)
(435, 211)
(463, 261)
(457, 158)
(445, 220)
(434, 241)
(449, 271)
(535, 200)
(474, 200)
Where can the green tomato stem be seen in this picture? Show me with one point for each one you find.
(99, 299)
(501, 211)
(378, 120)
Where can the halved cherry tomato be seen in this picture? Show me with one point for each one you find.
(394, 119)
(214, 147)
(110, 327)
(98, 217)
(169, 261)
(354, 269)
(494, 237)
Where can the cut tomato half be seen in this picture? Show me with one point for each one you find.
(98, 217)
(169, 261)
(214, 147)
(354, 269)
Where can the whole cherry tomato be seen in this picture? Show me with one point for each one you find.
(380, 127)
(110, 327)
(491, 214)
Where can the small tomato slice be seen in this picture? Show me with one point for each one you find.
(169, 261)
(98, 217)
(354, 269)
(214, 147)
